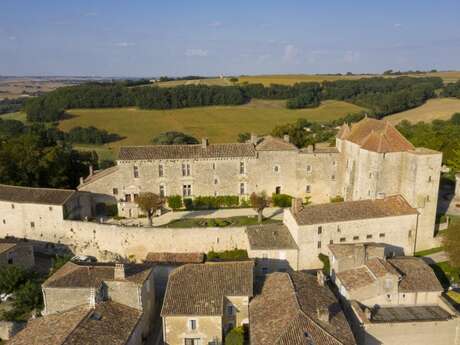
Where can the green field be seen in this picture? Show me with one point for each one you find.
(218, 123)
(209, 81)
(433, 109)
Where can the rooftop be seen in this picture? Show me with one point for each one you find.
(109, 323)
(270, 236)
(199, 289)
(175, 258)
(391, 206)
(92, 275)
(375, 135)
(350, 249)
(4, 247)
(286, 313)
(196, 151)
(270, 143)
(47, 196)
(409, 314)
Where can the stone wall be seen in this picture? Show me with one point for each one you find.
(20, 255)
(176, 329)
(8, 329)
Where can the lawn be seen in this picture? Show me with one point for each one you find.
(446, 273)
(20, 116)
(433, 109)
(216, 222)
(428, 251)
(218, 123)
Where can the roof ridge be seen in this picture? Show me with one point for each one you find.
(37, 188)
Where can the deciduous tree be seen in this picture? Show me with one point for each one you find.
(149, 203)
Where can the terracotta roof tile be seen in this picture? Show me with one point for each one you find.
(199, 289)
(270, 236)
(234, 150)
(47, 196)
(353, 210)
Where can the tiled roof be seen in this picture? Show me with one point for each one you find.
(269, 143)
(409, 314)
(234, 150)
(380, 267)
(356, 278)
(349, 249)
(343, 131)
(270, 236)
(175, 258)
(353, 210)
(199, 289)
(99, 174)
(416, 275)
(113, 325)
(376, 135)
(285, 313)
(92, 275)
(47, 196)
(4, 247)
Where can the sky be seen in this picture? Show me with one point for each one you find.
(147, 38)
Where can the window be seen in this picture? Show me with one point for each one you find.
(185, 169)
(32, 225)
(230, 310)
(242, 188)
(429, 178)
(369, 236)
(320, 230)
(319, 244)
(12, 206)
(343, 239)
(409, 234)
(192, 324)
(427, 198)
(338, 229)
(216, 181)
(355, 238)
(115, 191)
(50, 208)
(10, 261)
(162, 191)
(136, 171)
(333, 162)
(276, 169)
(308, 188)
(160, 170)
(382, 235)
(186, 190)
(213, 166)
(333, 177)
(278, 190)
(308, 169)
(242, 168)
(127, 197)
(192, 341)
(4, 221)
(331, 242)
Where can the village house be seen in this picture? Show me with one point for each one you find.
(298, 308)
(87, 285)
(16, 254)
(203, 302)
(393, 300)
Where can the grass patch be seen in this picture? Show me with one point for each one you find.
(227, 255)
(446, 273)
(216, 222)
(428, 251)
(454, 295)
(433, 109)
(19, 116)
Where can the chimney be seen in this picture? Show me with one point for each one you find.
(254, 138)
(323, 313)
(119, 272)
(296, 205)
(204, 143)
(286, 138)
(91, 171)
(81, 180)
(320, 277)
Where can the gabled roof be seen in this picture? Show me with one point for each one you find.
(46, 196)
(390, 206)
(376, 135)
(270, 143)
(285, 313)
(196, 151)
(199, 289)
(4, 247)
(73, 275)
(113, 325)
(270, 236)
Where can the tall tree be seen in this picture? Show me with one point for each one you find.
(149, 203)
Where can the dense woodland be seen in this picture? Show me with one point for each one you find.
(451, 90)
(11, 105)
(382, 96)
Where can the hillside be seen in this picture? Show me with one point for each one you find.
(433, 109)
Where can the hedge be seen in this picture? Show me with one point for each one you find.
(211, 202)
(281, 200)
(235, 254)
(175, 202)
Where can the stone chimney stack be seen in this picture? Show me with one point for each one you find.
(320, 277)
(296, 205)
(119, 272)
(254, 138)
(286, 138)
(204, 143)
(91, 170)
(323, 313)
(81, 180)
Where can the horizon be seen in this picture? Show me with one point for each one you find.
(146, 39)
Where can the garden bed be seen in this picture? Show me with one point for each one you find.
(217, 222)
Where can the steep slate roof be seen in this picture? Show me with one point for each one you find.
(376, 135)
(78, 327)
(353, 210)
(285, 313)
(175, 258)
(199, 289)
(45, 196)
(270, 236)
(92, 275)
(416, 275)
(270, 143)
(197, 151)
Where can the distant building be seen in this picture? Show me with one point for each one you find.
(205, 301)
(298, 309)
(16, 254)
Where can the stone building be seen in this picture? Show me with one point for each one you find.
(371, 160)
(205, 301)
(88, 285)
(396, 300)
(298, 308)
(16, 254)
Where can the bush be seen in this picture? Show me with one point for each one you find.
(281, 200)
(337, 198)
(211, 202)
(235, 336)
(228, 255)
(175, 202)
(326, 264)
(174, 138)
(188, 203)
(11, 277)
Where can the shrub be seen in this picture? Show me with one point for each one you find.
(175, 202)
(211, 202)
(188, 203)
(281, 200)
(11, 277)
(111, 210)
(235, 336)
(337, 198)
(245, 203)
(235, 254)
(326, 264)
